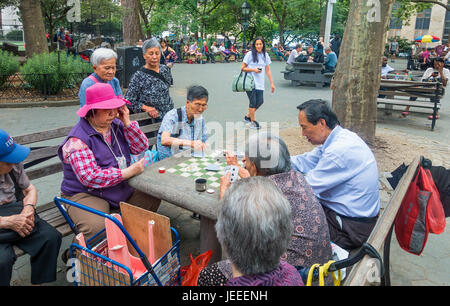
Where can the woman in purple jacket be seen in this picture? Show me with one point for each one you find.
(96, 159)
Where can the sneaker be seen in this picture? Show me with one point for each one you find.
(247, 119)
(255, 125)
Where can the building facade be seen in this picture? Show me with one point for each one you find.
(433, 21)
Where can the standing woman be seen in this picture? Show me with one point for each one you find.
(148, 90)
(168, 56)
(256, 62)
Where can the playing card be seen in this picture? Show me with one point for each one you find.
(234, 172)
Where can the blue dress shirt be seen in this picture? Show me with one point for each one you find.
(343, 173)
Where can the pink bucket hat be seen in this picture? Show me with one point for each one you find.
(101, 96)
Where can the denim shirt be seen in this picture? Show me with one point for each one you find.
(343, 173)
(194, 130)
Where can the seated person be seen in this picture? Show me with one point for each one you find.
(310, 240)
(293, 56)
(195, 51)
(436, 73)
(330, 61)
(19, 224)
(234, 51)
(103, 62)
(207, 52)
(385, 68)
(277, 53)
(310, 56)
(96, 160)
(254, 228)
(225, 53)
(342, 172)
(184, 128)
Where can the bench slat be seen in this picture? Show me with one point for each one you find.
(407, 103)
(41, 136)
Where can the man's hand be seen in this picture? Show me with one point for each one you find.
(28, 211)
(231, 159)
(18, 223)
(198, 145)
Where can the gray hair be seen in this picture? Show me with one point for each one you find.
(254, 225)
(101, 54)
(268, 153)
(327, 49)
(150, 43)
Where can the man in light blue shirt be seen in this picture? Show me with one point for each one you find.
(343, 173)
(184, 128)
(330, 61)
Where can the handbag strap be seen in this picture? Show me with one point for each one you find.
(236, 85)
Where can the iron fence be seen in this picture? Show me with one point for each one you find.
(37, 87)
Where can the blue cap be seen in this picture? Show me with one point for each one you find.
(11, 152)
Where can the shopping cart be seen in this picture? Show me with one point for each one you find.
(92, 267)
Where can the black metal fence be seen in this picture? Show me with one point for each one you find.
(38, 87)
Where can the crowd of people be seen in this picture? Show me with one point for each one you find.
(286, 210)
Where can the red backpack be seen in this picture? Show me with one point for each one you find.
(420, 213)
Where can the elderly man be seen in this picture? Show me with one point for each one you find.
(293, 56)
(310, 56)
(330, 61)
(343, 173)
(19, 223)
(103, 62)
(184, 128)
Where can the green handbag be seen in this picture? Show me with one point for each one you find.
(243, 82)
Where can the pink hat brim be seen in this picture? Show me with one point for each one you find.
(107, 104)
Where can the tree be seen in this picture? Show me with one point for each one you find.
(357, 77)
(33, 27)
(131, 24)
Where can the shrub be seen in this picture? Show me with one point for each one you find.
(8, 65)
(44, 73)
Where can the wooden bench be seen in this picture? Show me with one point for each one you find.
(49, 212)
(308, 74)
(364, 273)
(400, 92)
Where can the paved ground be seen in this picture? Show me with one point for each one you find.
(431, 268)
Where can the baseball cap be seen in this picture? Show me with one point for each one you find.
(11, 152)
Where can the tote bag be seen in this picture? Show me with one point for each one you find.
(243, 82)
(420, 213)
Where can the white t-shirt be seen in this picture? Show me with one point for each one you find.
(386, 69)
(292, 57)
(430, 71)
(258, 77)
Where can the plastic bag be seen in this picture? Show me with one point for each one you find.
(191, 272)
(420, 213)
(151, 157)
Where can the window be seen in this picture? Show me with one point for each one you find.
(396, 23)
(423, 19)
(446, 27)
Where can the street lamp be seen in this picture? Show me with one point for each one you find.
(245, 13)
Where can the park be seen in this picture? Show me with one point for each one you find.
(364, 102)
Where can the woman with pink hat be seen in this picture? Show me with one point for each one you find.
(96, 159)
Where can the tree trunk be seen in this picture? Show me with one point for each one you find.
(131, 23)
(33, 27)
(357, 78)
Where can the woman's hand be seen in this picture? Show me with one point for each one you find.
(135, 169)
(151, 111)
(224, 184)
(124, 115)
(198, 145)
(231, 159)
(256, 70)
(273, 87)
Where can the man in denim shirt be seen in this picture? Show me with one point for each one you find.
(186, 132)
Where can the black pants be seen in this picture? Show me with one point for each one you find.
(348, 233)
(42, 244)
(210, 57)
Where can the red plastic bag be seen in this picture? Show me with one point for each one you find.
(191, 272)
(420, 213)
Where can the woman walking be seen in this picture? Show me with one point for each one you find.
(255, 62)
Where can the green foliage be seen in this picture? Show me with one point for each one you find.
(8, 65)
(15, 35)
(403, 44)
(44, 73)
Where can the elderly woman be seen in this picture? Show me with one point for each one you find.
(148, 90)
(254, 228)
(268, 155)
(96, 159)
(103, 62)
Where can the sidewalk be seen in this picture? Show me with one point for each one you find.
(431, 268)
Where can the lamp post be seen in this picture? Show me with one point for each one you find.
(245, 13)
